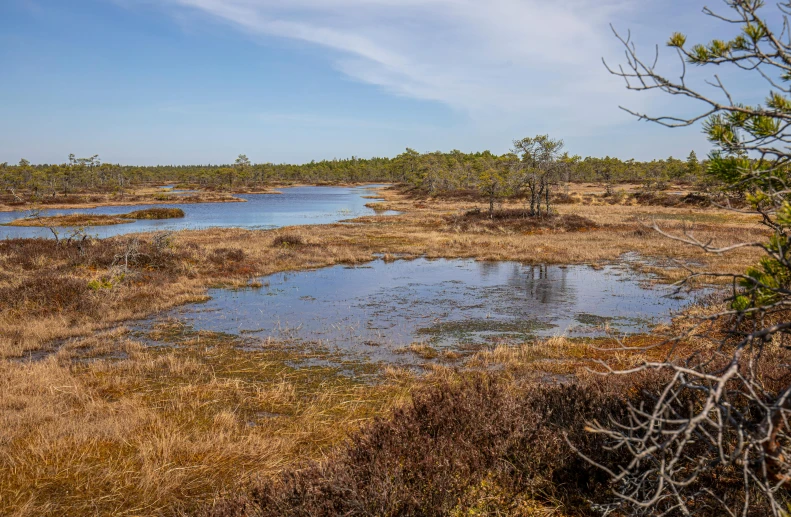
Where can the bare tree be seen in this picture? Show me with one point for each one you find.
(129, 254)
(35, 214)
(722, 419)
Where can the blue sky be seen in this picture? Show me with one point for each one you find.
(200, 81)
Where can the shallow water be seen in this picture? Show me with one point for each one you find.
(295, 206)
(458, 304)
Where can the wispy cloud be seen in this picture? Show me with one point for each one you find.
(509, 59)
(309, 120)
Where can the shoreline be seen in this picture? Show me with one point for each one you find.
(186, 199)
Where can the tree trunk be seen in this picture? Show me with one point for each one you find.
(532, 199)
(491, 204)
(547, 194)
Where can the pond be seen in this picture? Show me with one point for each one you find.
(295, 206)
(380, 307)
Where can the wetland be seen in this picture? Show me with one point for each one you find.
(187, 363)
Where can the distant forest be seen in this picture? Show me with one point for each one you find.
(432, 173)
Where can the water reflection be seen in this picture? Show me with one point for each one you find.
(446, 303)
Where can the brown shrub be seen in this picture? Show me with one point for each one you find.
(518, 220)
(50, 294)
(64, 200)
(562, 198)
(222, 255)
(428, 458)
(288, 240)
(30, 254)
(154, 213)
(671, 200)
(448, 195)
(432, 457)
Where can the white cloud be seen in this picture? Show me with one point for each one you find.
(509, 60)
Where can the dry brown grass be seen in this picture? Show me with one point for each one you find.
(422, 350)
(154, 213)
(141, 196)
(71, 220)
(107, 426)
(77, 220)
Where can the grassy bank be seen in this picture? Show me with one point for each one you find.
(78, 220)
(71, 220)
(144, 196)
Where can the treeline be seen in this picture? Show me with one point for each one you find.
(89, 174)
(432, 173)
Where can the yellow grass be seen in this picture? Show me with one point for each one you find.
(158, 431)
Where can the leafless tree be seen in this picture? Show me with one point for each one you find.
(129, 254)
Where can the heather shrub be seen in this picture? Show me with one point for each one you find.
(432, 456)
(49, 294)
(288, 240)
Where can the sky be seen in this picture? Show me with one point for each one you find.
(289, 81)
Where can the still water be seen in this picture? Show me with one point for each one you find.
(295, 206)
(381, 306)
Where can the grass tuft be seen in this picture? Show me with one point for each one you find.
(155, 213)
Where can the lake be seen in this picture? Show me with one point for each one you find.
(295, 206)
(450, 304)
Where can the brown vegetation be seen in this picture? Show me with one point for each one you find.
(105, 425)
(515, 220)
(108, 426)
(71, 220)
(501, 440)
(79, 220)
(143, 196)
(475, 446)
(287, 240)
(155, 213)
(481, 444)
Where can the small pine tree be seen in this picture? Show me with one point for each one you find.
(693, 165)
